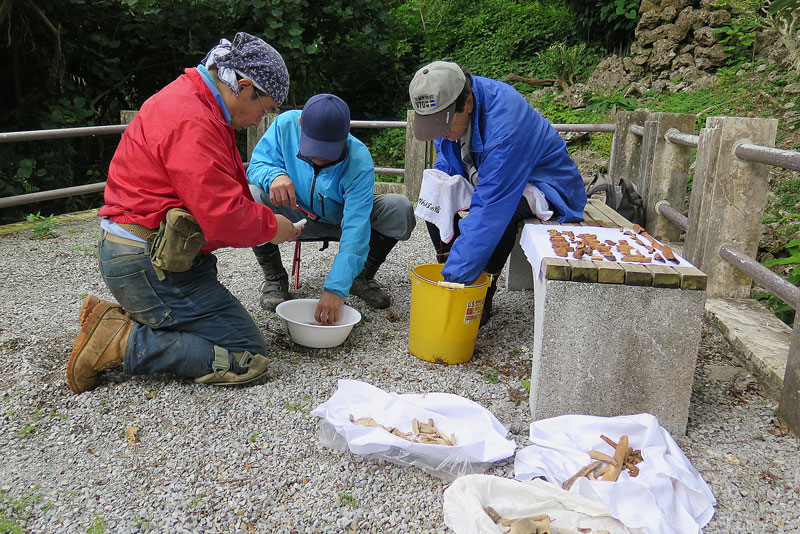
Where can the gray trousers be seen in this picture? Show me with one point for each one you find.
(392, 216)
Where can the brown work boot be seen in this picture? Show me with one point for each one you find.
(100, 345)
(90, 303)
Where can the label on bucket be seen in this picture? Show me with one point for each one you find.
(473, 312)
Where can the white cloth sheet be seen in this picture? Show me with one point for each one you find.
(537, 202)
(480, 437)
(441, 196)
(466, 498)
(668, 497)
(535, 242)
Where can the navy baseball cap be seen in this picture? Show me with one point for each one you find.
(324, 125)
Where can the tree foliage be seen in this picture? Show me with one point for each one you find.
(80, 62)
(610, 22)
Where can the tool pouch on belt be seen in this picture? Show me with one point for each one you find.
(177, 243)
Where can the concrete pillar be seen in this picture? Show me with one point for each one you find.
(789, 407)
(664, 169)
(254, 133)
(419, 155)
(733, 212)
(702, 186)
(613, 349)
(126, 116)
(626, 147)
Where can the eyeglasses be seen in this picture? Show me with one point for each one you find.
(267, 111)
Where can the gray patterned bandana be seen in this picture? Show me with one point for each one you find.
(252, 58)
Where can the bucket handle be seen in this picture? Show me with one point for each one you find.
(449, 285)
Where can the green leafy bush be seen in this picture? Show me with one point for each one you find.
(43, 229)
(490, 38)
(611, 102)
(783, 310)
(564, 61)
(609, 21)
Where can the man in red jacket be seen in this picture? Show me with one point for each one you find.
(179, 152)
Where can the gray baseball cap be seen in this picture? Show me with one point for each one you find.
(434, 91)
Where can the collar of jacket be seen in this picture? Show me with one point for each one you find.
(205, 93)
(477, 92)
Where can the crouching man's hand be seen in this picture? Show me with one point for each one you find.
(286, 230)
(328, 308)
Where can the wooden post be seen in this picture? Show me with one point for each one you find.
(126, 116)
(664, 170)
(789, 407)
(418, 157)
(734, 209)
(254, 133)
(626, 147)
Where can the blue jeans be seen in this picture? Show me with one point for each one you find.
(178, 320)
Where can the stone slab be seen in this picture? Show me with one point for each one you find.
(757, 335)
(610, 349)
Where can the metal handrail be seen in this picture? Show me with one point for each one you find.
(673, 135)
(38, 135)
(778, 286)
(664, 208)
(787, 159)
(775, 284)
(585, 127)
(636, 130)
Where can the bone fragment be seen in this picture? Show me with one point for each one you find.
(492, 513)
(582, 472)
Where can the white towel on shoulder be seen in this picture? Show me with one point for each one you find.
(441, 196)
(537, 202)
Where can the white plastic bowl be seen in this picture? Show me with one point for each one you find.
(303, 329)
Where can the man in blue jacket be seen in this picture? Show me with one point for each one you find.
(308, 166)
(485, 131)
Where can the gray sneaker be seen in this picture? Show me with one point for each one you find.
(372, 293)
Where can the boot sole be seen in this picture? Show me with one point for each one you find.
(86, 308)
(92, 321)
(248, 381)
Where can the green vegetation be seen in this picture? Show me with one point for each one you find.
(739, 35)
(43, 229)
(348, 500)
(98, 525)
(785, 312)
(15, 512)
(304, 406)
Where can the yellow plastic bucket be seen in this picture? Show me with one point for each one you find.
(444, 316)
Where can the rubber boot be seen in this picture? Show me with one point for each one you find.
(100, 345)
(487, 303)
(366, 287)
(275, 288)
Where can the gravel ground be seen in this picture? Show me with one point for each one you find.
(247, 459)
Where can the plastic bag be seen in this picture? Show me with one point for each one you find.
(466, 498)
(480, 438)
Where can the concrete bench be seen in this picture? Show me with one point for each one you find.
(612, 338)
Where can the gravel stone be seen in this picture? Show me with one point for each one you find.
(247, 459)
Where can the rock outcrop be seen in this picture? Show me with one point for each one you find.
(675, 47)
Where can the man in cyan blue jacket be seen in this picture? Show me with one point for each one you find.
(308, 166)
(485, 131)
